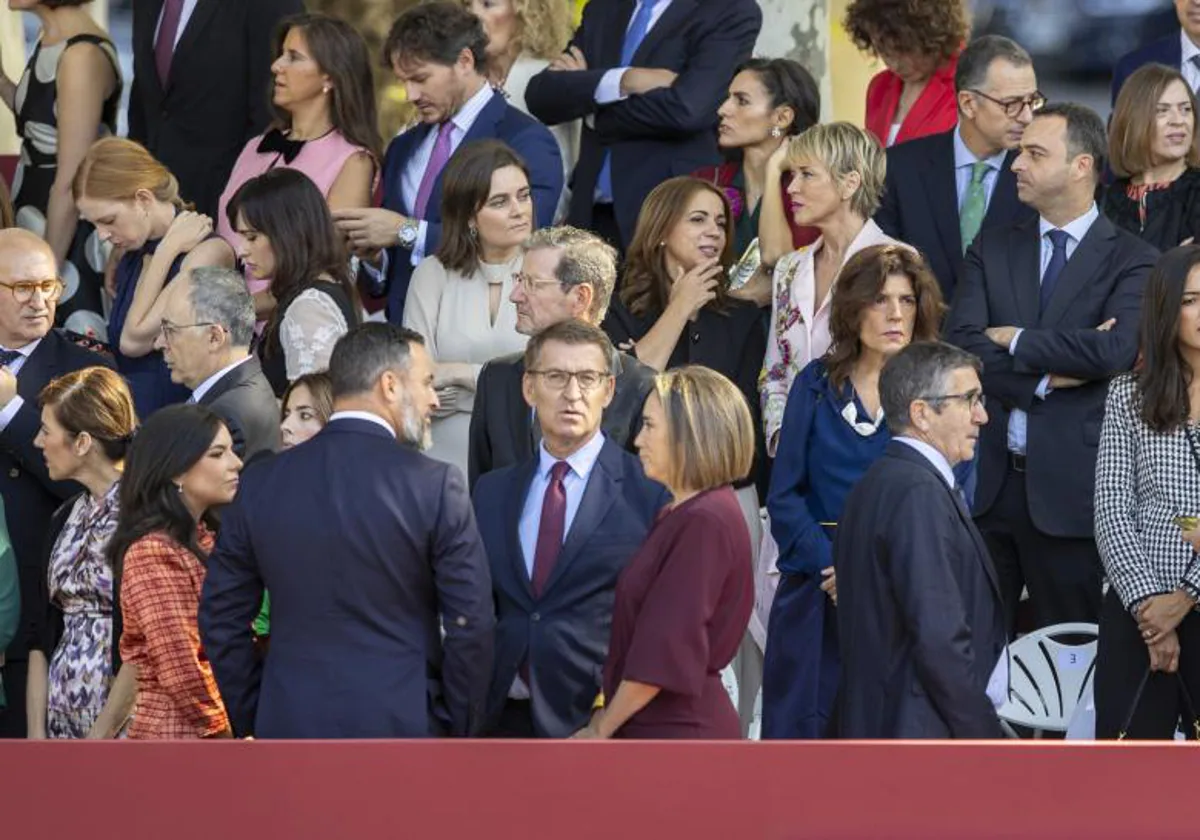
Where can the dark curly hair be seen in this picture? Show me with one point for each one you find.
(934, 27)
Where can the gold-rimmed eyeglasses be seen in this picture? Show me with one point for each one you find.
(170, 331)
(559, 379)
(24, 290)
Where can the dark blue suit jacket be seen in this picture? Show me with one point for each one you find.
(1168, 51)
(363, 544)
(1103, 279)
(564, 633)
(919, 617)
(920, 204)
(499, 120)
(660, 134)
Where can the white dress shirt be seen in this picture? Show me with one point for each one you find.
(363, 415)
(205, 386)
(1187, 67)
(14, 405)
(609, 88)
(1018, 421)
(185, 14)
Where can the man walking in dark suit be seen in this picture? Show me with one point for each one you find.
(1180, 50)
(202, 85)
(370, 552)
(919, 613)
(558, 529)
(1051, 306)
(647, 77)
(31, 354)
(438, 51)
(207, 327)
(567, 274)
(942, 189)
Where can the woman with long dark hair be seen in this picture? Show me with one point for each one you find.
(287, 238)
(1147, 508)
(180, 467)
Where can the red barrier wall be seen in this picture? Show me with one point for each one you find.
(576, 791)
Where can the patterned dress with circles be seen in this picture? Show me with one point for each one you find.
(36, 106)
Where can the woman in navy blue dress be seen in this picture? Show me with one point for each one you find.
(134, 202)
(833, 429)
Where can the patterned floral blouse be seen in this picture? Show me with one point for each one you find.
(81, 585)
(160, 593)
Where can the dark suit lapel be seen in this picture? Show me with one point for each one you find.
(1086, 263)
(514, 506)
(598, 497)
(41, 366)
(1024, 267)
(195, 27)
(1004, 205)
(235, 377)
(407, 145)
(668, 25)
(980, 546)
(942, 190)
(613, 35)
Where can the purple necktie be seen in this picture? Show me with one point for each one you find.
(164, 47)
(437, 162)
(552, 527)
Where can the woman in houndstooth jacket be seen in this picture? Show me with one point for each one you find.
(1147, 500)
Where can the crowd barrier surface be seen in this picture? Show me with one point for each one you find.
(582, 790)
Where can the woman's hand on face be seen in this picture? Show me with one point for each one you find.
(187, 230)
(694, 289)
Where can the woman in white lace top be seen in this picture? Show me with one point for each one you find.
(459, 298)
(287, 234)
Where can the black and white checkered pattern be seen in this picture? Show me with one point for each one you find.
(1144, 479)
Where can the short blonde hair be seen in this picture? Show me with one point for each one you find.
(1134, 120)
(843, 148)
(543, 26)
(709, 428)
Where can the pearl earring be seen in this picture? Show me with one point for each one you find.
(776, 132)
(325, 89)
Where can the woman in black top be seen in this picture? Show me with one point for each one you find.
(1153, 150)
(287, 234)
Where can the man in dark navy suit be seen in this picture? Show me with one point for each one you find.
(438, 51)
(647, 77)
(558, 529)
(1051, 305)
(1180, 50)
(370, 552)
(941, 190)
(31, 354)
(919, 614)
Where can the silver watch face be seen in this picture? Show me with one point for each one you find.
(407, 234)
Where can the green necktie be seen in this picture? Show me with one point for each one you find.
(974, 206)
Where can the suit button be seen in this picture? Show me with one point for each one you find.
(695, 337)
(461, 621)
(14, 473)
(536, 617)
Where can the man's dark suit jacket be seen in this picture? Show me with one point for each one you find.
(30, 499)
(920, 204)
(660, 134)
(502, 429)
(363, 544)
(218, 94)
(498, 120)
(564, 633)
(1168, 51)
(244, 400)
(1001, 286)
(919, 617)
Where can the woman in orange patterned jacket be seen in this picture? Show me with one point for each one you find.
(180, 467)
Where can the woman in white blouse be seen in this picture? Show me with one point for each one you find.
(524, 36)
(458, 298)
(285, 233)
(837, 183)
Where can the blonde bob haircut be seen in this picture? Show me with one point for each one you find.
(709, 428)
(1135, 120)
(543, 26)
(843, 149)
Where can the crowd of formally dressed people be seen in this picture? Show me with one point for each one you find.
(614, 370)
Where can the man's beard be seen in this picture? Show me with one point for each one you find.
(415, 431)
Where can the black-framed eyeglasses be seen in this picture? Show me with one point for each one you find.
(972, 398)
(169, 331)
(23, 291)
(558, 380)
(1013, 107)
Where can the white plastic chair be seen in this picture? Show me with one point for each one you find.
(1048, 678)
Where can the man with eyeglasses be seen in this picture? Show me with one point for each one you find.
(558, 529)
(919, 615)
(941, 190)
(1051, 306)
(31, 354)
(567, 274)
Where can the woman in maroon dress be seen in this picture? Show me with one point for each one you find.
(684, 600)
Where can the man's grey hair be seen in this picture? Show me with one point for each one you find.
(975, 61)
(586, 258)
(365, 353)
(219, 296)
(919, 371)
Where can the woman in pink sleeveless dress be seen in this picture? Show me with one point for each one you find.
(325, 124)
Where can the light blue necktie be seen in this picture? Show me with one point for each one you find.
(633, 39)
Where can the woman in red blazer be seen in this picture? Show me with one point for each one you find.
(919, 41)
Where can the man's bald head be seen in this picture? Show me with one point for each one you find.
(25, 258)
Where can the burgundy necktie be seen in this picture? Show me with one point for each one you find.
(552, 527)
(437, 162)
(164, 47)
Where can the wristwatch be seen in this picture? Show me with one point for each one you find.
(406, 234)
